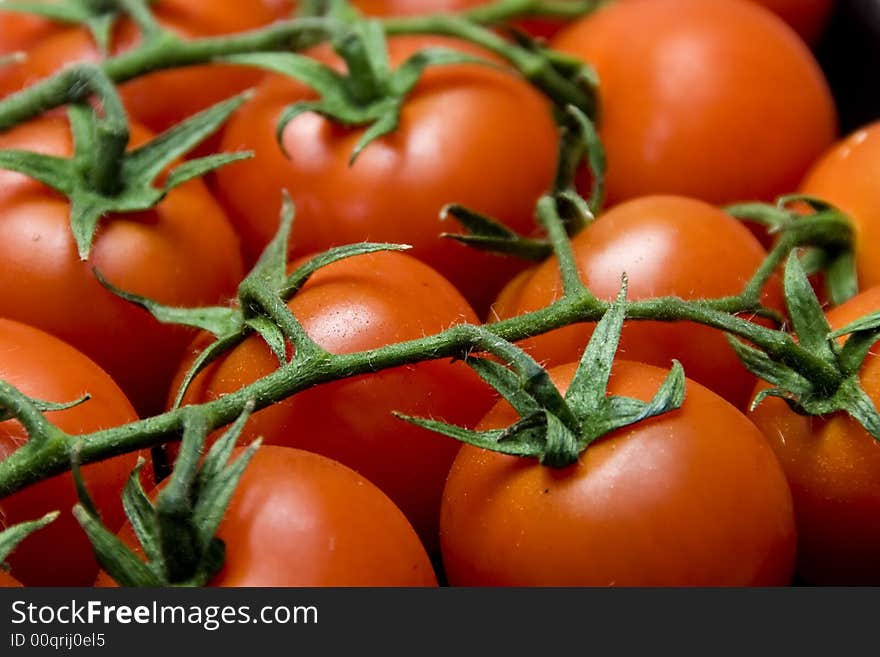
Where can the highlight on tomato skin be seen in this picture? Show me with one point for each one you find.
(692, 498)
(361, 303)
(667, 246)
(45, 368)
(845, 177)
(833, 467)
(716, 100)
(298, 519)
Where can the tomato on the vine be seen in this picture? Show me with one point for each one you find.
(667, 246)
(694, 497)
(300, 519)
(45, 368)
(182, 253)
(362, 303)
(468, 134)
(716, 100)
(846, 177)
(833, 467)
(162, 99)
(7, 581)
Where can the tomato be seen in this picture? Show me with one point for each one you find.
(833, 467)
(18, 32)
(298, 519)
(413, 7)
(47, 369)
(846, 177)
(695, 497)
(183, 253)
(468, 134)
(668, 246)
(358, 304)
(162, 99)
(716, 100)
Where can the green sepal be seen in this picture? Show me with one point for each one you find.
(138, 170)
(805, 311)
(11, 537)
(766, 369)
(46, 407)
(863, 335)
(580, 142)
(304, 272)
(177, 532)
(271, 268)
(211, 353)
(841, 277)
(771, 217)
(374, 100)
(506, 383)
(219, 321)
(561, 446)
(272, 335)
(120, 563)
(488, 234)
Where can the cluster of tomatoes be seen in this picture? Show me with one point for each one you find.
(703, 103)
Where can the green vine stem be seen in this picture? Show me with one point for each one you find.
(161, 50)
(311, 367)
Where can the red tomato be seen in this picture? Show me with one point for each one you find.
(357, 304)
(162, 99)
(845, 176)
(716, 100)
(833, 467)
(668, 246)
(468, 134)
(47, 369)
(183, 253)
(298, 519)
(18, 32)
(694, 498)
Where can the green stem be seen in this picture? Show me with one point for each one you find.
(502, 12)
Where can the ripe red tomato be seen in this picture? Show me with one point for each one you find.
(668, 246)
(715, 100)
(47, 369)
(845, 176)
(183, 253)
(298, 519)
(18, 32)
(693, 498)
(162, 99)
(357, 304)
(833, 467)
(468, 134)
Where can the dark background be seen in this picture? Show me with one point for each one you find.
(850, 54)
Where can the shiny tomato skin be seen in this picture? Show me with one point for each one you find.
(18, 32)
(846, 177)
(694, 498)
(358, 304)
(162, 99)
(298, 519)
(468, 134)
(716, 100)
(183, 253)
(667, 246)
(833, 467)
(46, 368)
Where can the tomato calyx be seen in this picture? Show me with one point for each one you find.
(102, 178)
(826, 234)
(11, 537)
(553, 428)
(836, 386)
(370, 94)
(177, 532)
